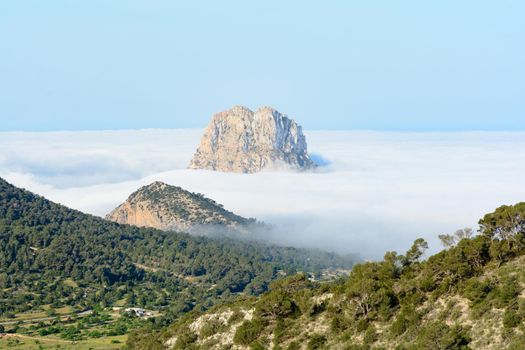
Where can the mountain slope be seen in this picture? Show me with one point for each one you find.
(166, 207)
(469, 296)
(50, 254)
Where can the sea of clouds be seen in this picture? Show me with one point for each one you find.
(375, 191)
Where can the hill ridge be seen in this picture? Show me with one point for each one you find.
(169, 207)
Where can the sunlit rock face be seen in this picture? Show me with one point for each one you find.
(242, 141)
(172, 208)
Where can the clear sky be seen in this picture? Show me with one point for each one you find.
(331, 64)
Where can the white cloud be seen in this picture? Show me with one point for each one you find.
(378, 191)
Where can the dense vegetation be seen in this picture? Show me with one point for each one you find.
(469, 296)
(52, 255)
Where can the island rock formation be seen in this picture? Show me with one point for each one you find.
(239, 140)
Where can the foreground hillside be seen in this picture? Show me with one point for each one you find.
(59, 264)
(469, 296)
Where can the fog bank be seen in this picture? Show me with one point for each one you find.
(375, 191)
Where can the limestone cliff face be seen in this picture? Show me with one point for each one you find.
(172, 208)
(239, 140)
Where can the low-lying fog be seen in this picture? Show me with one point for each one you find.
(376, 191)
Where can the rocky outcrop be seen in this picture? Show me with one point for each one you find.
(239, 140)
(172, 208)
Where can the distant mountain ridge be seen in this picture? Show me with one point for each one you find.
(172, 208)
(240, 140)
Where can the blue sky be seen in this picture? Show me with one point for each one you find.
(362, 64)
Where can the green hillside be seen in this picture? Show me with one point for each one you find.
(469, 296)
(54, 258)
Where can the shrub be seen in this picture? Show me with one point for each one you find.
(277, 304)
(407, 318)
(70, 333)
(370, 335)
(317, 341)
(235, 317)
(517, 343)
(211, 327)
(317, 309)
(339, 323)
(508, 291)
(438, 335)
(399, 326)
(293, 346)
(185, 339)
(249, 331)
(257, 346)
(511, 319)
(278, 332)
(95, 334)
(362, 325)
(480, 309)
(476, 291)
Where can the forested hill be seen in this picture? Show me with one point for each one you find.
(172, 208)
(469, 296)
(50, 254)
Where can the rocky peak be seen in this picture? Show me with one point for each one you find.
(240, 140)
(167, 207)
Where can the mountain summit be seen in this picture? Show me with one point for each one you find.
(172, 208)
(242, 141)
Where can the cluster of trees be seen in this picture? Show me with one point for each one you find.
(50, 254)
(96, 325)
(393, 293)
